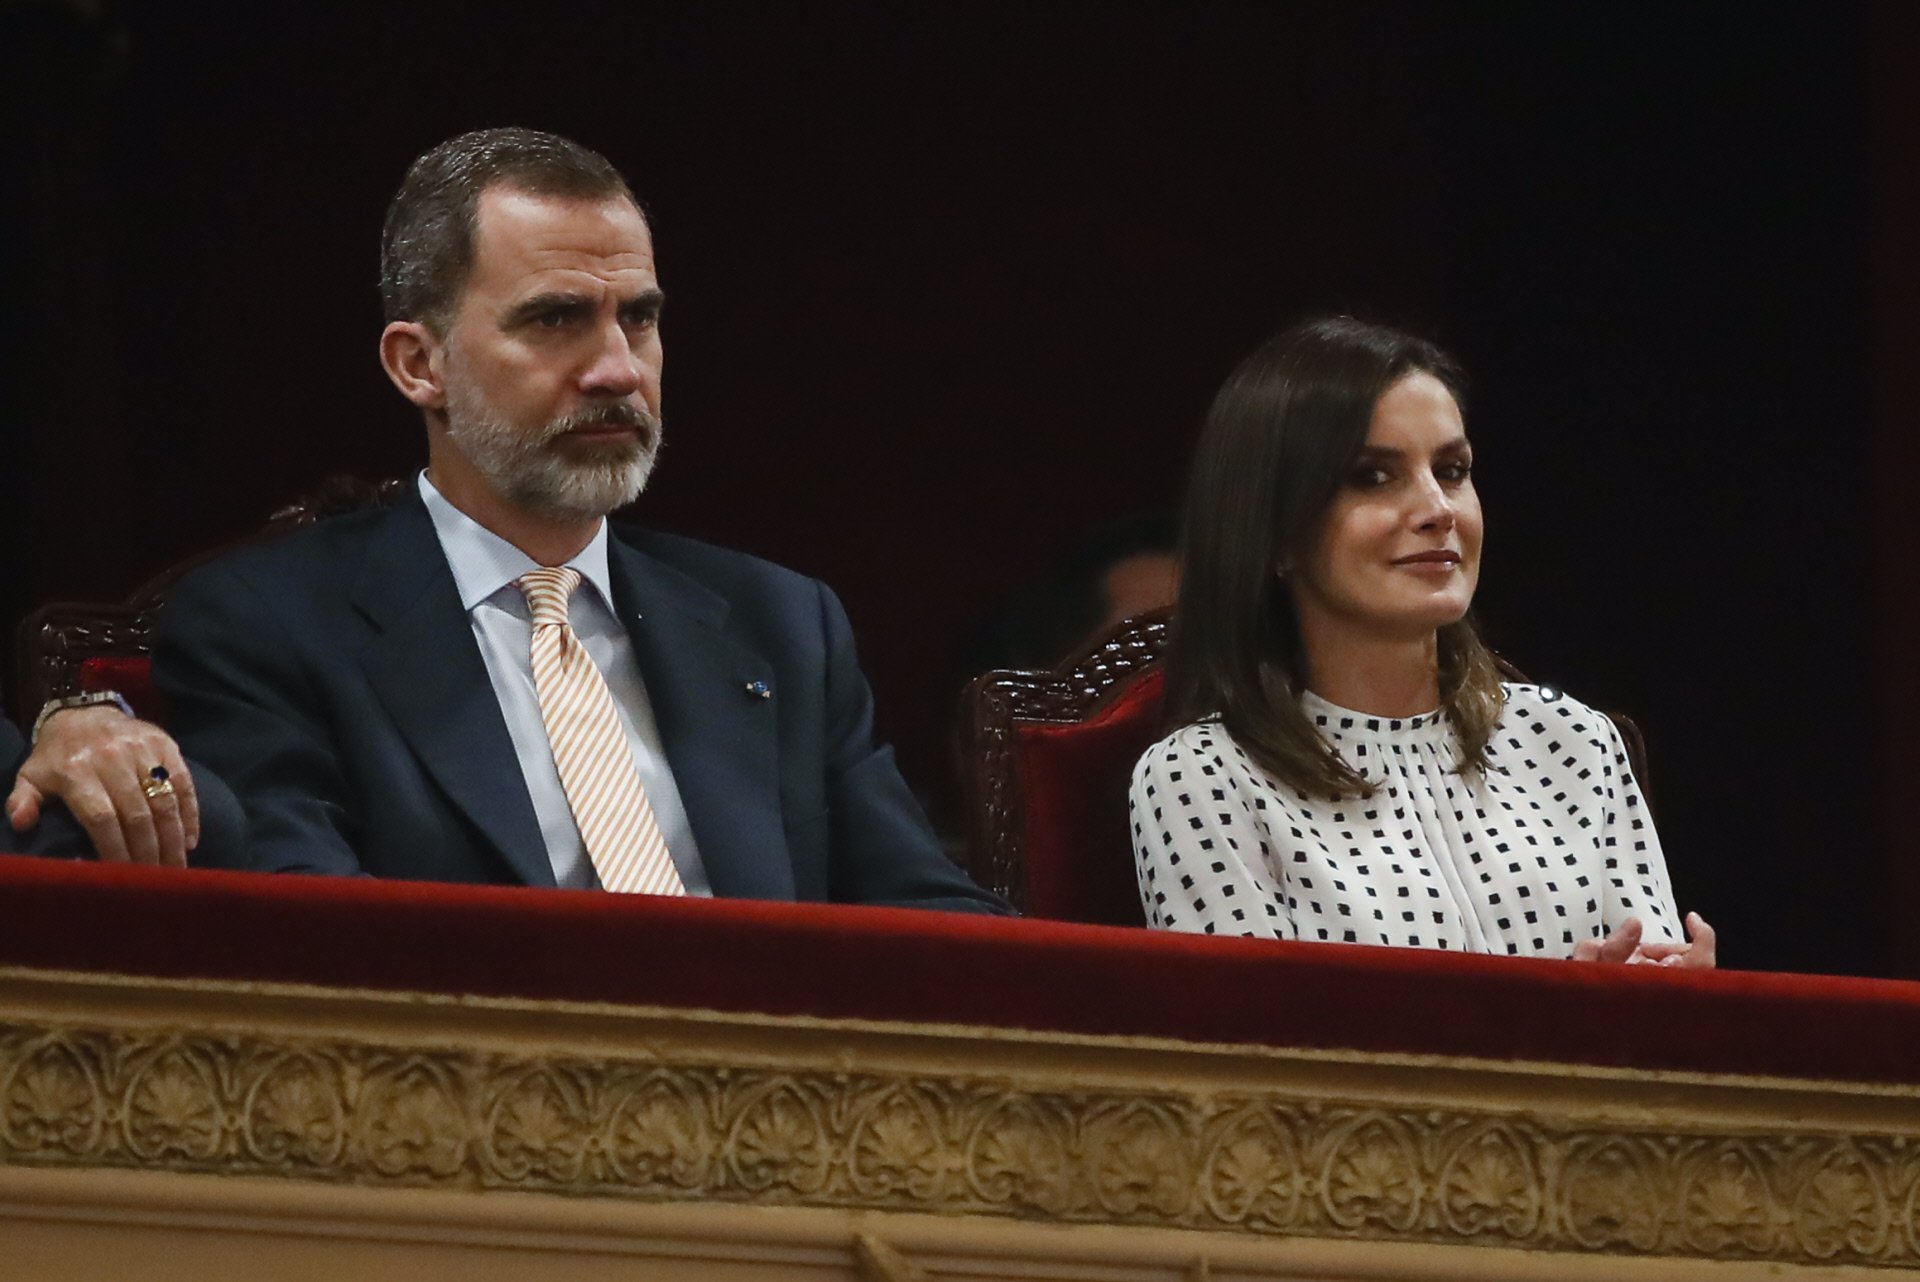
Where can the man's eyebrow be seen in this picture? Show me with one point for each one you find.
(541, 304)
(647, 302)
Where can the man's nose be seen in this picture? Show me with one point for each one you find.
(616, 367)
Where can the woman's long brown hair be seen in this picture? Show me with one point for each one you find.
(1279, 440)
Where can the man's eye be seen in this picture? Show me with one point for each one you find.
(550, 320)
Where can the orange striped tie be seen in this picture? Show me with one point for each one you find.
(590, 749)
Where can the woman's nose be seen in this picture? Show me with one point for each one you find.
(1435, 509)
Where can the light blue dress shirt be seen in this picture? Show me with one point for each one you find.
(484, 568)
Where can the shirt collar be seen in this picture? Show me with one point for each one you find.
(483, 563)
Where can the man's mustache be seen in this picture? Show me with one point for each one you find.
(619, 414)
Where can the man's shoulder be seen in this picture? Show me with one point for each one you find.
(299, 559)
(727, 571)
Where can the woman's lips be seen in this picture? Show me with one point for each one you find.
(1440, 561)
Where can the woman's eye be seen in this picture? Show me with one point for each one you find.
(1367, 478)
(1454, 473)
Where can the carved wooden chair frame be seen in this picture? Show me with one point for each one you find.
(996, 701)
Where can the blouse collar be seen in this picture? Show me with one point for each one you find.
(1334, 719)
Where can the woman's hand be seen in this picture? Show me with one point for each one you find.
(1623, 947)
(1697, 955)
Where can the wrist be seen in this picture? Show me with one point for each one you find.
(89, 699)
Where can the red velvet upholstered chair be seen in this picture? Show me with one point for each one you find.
(1050, 756)
(75, 646)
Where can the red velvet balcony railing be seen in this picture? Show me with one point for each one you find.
(896, 965)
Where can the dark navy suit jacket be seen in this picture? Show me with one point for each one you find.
(332, 678)
(13, 745)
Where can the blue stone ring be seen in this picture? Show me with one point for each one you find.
(759, 690)
(158, 783)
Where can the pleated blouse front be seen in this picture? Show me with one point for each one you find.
(1552, 844)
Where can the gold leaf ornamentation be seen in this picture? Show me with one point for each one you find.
(663, 1122)
(1139, 1160)
(1905, 1173)
(1017, 1157)
(895, 1147)
(660, 1135)
(1372, 1176)
(413, 1124)
(1252, 1171)
(537, 1129)
(295, 1113)
(1490, 1185)
(1726, 1200)
(778, 1141)
(173, 1106)
(1612, 1191)
(51, 1101)
(1841, 1207)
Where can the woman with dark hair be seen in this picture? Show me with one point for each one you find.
(1349, 766)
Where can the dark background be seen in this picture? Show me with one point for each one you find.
(950, 288)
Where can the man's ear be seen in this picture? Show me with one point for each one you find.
(413, 358)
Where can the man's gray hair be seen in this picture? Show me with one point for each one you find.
(427, 245)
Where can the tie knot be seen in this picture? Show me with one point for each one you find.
(548, 591)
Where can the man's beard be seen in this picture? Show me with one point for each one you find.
(531, 471)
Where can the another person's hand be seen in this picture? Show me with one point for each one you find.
(122, 779)
(1699, 954)
(1623, 946)
(1619, 947)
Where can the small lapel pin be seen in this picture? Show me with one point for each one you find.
(759, 689)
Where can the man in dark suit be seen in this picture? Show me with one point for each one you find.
(374, 687)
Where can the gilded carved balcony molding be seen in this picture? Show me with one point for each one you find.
(382, 1091)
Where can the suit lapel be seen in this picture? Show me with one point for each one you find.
(719, 738)
(426, 669)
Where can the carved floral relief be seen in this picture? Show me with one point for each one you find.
(654, 1128)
